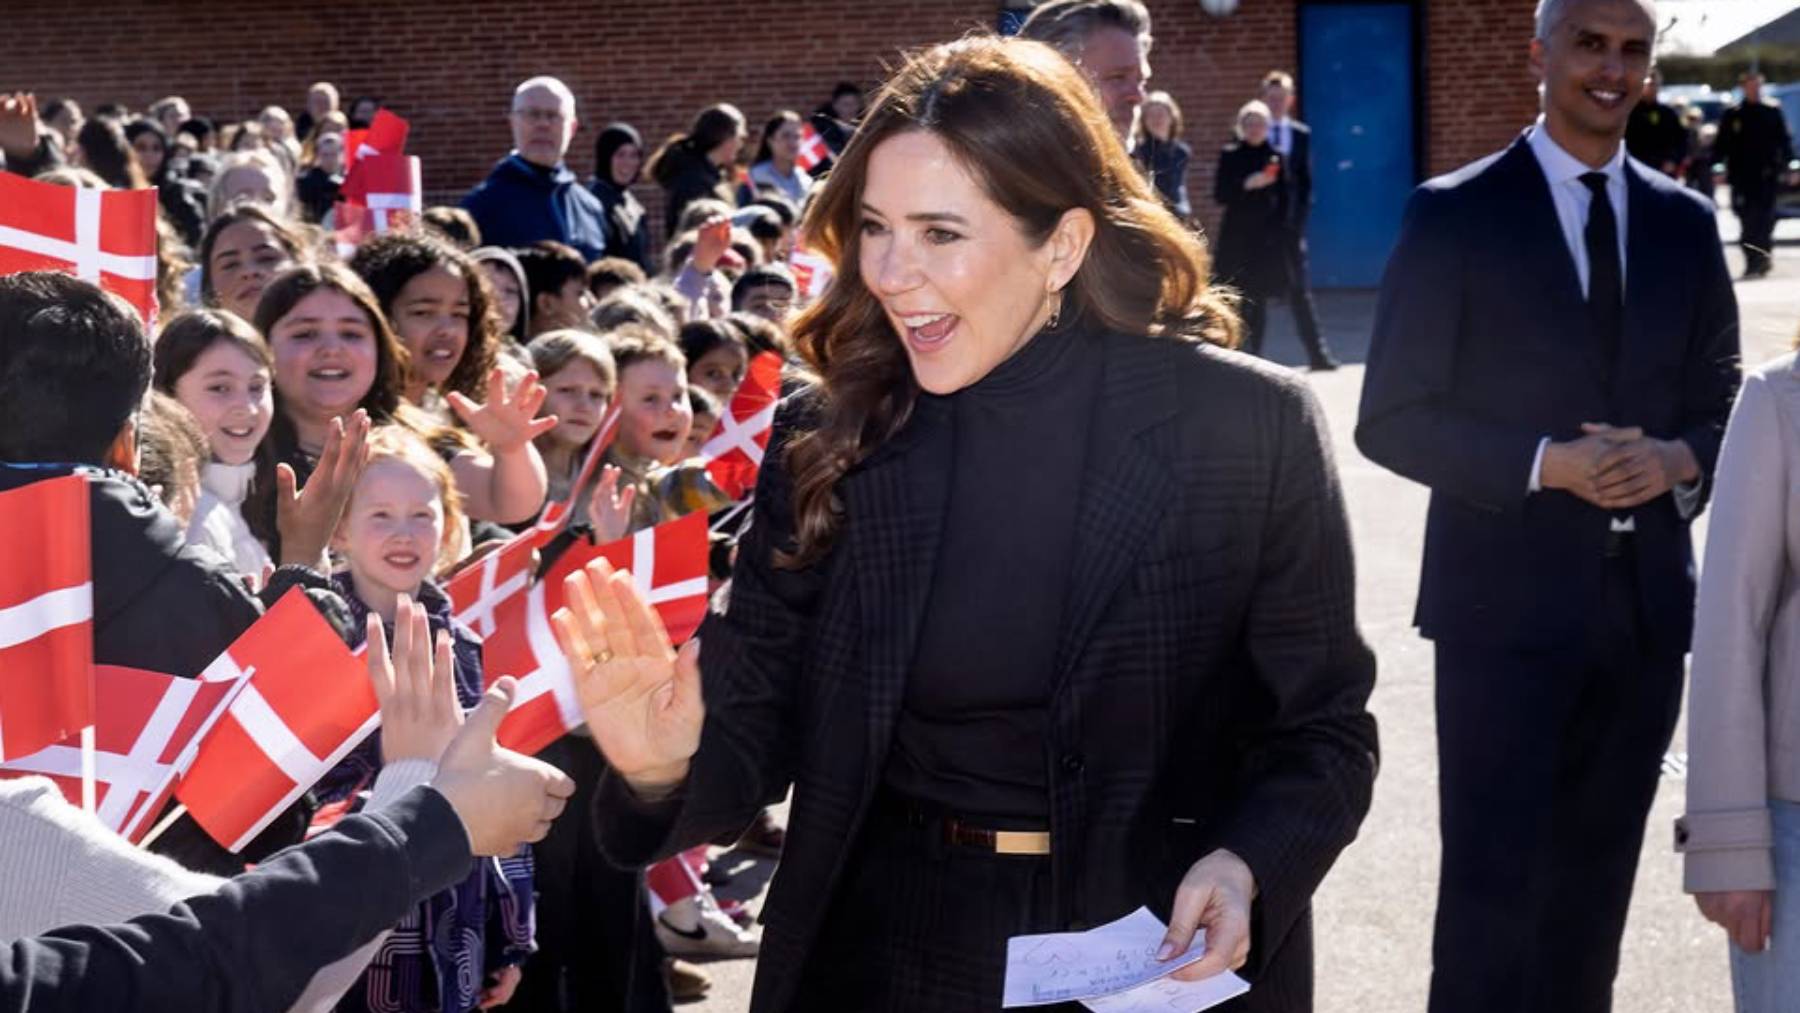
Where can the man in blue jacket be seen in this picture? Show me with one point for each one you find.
(531, 195)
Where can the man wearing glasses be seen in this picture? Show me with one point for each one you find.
(531, 195)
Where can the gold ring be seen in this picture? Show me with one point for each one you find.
(603, 657)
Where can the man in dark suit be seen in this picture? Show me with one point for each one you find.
(1293, 139)
(1555, 355)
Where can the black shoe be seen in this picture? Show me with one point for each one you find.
(1323, 364)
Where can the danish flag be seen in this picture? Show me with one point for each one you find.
(812, 272)
(556, 515)
(668, 563)
(46, 616)
(386, 135)
(813, 149)
(145, 723)
(381, 189)
(107, 237)
(477, 592)
(735, 451)
(383, 193)
(302, 703)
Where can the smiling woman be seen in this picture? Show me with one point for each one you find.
(333, 354)
(1046, 611)
(243, 248)
(441, 307)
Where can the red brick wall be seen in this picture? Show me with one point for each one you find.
(1479, 92)
(450, 66)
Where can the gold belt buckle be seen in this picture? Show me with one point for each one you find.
(1021, 842)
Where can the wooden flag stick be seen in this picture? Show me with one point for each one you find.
(87, 770)
(167, 822)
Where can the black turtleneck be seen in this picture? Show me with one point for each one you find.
(971, 737)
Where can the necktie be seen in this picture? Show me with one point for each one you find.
(1280, 143)
(1606, 289)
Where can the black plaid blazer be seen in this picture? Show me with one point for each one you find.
(1211, 688)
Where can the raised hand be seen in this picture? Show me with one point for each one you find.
(506, 421)
(18, 125)
(1215, 895)
(307, 517)
(503, 799)
(642, 699)
(609, 510)
(420, 714)
(712, 243)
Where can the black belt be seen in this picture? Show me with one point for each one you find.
(1618, 543)
(955, 832)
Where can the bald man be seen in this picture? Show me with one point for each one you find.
(531, 195)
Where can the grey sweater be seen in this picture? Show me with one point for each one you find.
(65, 868)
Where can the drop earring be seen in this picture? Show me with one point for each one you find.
(1055, 314)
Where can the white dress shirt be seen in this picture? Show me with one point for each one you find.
(1572, 198)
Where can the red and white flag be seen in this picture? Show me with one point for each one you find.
(556, 515)
(46, 616)
(385, 135)
(668, 563)
(386, 185)
(144, 723)
(813, 149)
(478, 593)
(107, 237)
(381, 194)
(812, 272)
(304, 703)
(734, 452)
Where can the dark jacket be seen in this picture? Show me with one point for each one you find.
(687, 176)
(1167, 164)
(1655, 136)
(1297, 169)
(159, 603)
(627, 224)
(317, 191)
(1484, 346)
(253, 945)
(1755, 145)
(521, 203)
(1211, 574)
(166, 606)
(1252, 253)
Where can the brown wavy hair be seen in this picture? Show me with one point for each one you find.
(390, 260)
(1026, 124)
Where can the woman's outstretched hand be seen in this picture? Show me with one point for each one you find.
(1215, 895)
(642, 699)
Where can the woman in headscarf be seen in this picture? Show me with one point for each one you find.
(618, 162)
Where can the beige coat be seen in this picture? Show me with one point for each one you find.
(1744, 706)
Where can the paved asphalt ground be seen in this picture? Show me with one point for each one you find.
(1374, 912)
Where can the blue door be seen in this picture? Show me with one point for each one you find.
(1356, 90)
